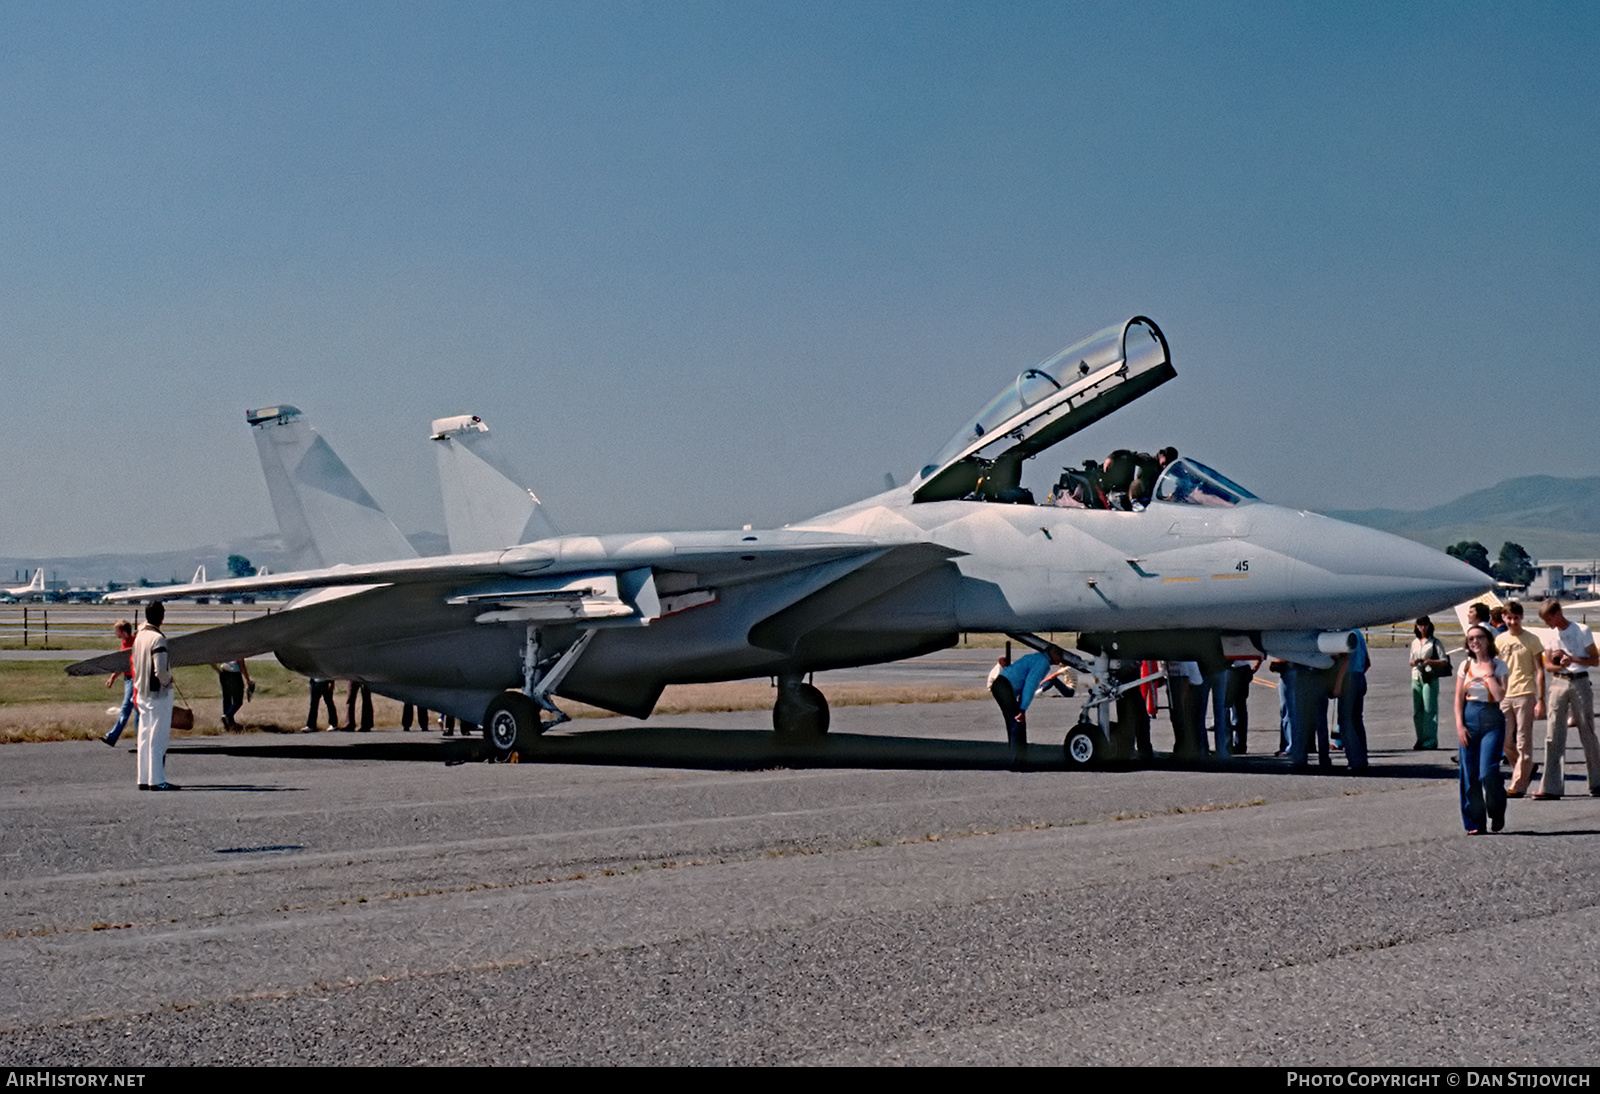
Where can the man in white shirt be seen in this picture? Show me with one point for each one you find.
(152, 685)
(1568, 659)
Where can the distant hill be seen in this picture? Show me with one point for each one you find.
(1550, 517)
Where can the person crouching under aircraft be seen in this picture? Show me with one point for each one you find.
(1014, 688)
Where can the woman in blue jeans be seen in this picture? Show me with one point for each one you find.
(124, 629)
(1481, 732)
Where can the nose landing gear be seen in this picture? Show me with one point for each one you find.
(1088, 743)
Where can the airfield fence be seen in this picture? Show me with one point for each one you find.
(88, 626)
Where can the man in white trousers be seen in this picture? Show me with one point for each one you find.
(152, 686)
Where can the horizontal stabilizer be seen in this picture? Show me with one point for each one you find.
(263, 634)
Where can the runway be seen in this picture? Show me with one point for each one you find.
(685, 891)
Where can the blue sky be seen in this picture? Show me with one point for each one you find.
(702, 265)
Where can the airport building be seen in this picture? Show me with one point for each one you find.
(1564, 577)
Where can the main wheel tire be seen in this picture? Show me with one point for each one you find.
(510, 719)
(1084, 746)
(801, 713)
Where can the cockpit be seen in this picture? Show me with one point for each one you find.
(1056, 398)
(1190, 482)
(1129, 481)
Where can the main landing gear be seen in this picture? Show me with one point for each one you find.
(514, 717)
(801, 711)
(511, 717)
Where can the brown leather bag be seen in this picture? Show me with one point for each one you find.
(182, 717)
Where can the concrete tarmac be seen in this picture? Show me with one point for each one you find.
(686, 891)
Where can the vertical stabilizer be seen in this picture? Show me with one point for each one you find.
(34, 587)
(485, 505)
(325, 515)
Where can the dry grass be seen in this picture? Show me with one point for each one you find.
(82, 721)
(53, 721)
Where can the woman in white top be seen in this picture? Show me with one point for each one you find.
(1481, 732)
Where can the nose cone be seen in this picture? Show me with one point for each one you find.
(1350, 576)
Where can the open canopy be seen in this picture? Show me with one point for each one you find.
(1046, 404)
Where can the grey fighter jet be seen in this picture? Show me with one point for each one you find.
(1178, 565)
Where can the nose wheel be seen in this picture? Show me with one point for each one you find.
(1085, 746)
(801, 711)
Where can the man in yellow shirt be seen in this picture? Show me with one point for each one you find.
(1525, 695)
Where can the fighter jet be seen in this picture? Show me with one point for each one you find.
(1175, 567)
